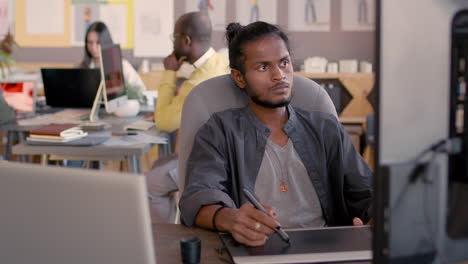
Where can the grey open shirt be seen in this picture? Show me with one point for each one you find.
(228, 151)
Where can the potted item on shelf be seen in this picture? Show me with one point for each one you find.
(6, 51)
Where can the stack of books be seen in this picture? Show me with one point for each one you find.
(56, 133)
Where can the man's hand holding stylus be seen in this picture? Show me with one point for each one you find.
(248, 225)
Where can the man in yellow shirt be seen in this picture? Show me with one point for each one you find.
(192, 43)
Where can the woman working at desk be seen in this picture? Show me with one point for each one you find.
(99, 34)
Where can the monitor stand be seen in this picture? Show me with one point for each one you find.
(98, 100)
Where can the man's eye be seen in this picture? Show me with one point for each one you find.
(263, 67)
(285, 63)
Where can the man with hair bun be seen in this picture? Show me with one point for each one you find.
(192, 43)
(300, 164)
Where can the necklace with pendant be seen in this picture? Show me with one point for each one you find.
(283, 186)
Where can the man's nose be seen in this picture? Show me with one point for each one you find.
(277, 73)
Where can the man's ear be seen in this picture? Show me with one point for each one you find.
(238, 78)
(188, 39)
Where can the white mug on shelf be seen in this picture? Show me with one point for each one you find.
(332, 67)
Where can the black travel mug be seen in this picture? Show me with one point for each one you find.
(190, 249)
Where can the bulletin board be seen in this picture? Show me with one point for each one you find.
(117, 14)
(28, 39)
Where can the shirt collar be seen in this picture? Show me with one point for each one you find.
(198, 63)
(288, 127)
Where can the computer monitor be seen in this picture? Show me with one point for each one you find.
(414, 90)
(111, 91)
(64, 215)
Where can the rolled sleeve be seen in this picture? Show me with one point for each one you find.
(196, 199)
(207, 174)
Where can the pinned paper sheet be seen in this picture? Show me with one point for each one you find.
(53, 23)
(249, 11)
(115, 17)
(358, 15)
(45, 17)
(5, 14)
(216, 9)
(152, 27)
(309, 15)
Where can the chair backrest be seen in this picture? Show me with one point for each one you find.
(221, 93)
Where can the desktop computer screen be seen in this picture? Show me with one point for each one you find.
(111, 91)
(112, 74)
(418, 135)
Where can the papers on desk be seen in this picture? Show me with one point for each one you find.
(56, 133)
(142, 125)
(74, 116)
(139, 138)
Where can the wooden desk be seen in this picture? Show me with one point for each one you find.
(167, 245)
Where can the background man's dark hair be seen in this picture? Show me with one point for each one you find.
(237, 36)
(104, 38)
(196, 25)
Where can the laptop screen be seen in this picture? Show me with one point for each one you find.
(20, 96)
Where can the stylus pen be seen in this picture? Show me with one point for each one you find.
(257, 205)
(124, 134)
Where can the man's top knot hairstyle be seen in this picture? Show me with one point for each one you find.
(237, 36)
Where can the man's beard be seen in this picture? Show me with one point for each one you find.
(179, 54)
(267, 103)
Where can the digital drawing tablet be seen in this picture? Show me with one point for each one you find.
(330, 244)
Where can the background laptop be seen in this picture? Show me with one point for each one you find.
(64, 215)
(70, 87)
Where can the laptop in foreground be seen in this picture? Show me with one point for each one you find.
(70, 87)
(64, 215)
(320, 245)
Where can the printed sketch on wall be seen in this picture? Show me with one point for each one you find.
(216, 9)
(82, 16)
(249, 11)
(6, 14)
(357, 15)
(309, 15)
(152, 27)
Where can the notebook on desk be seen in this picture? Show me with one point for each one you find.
(307, 246)
(70, 87)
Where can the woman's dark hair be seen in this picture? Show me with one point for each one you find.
(104, 38)
(237, 36)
